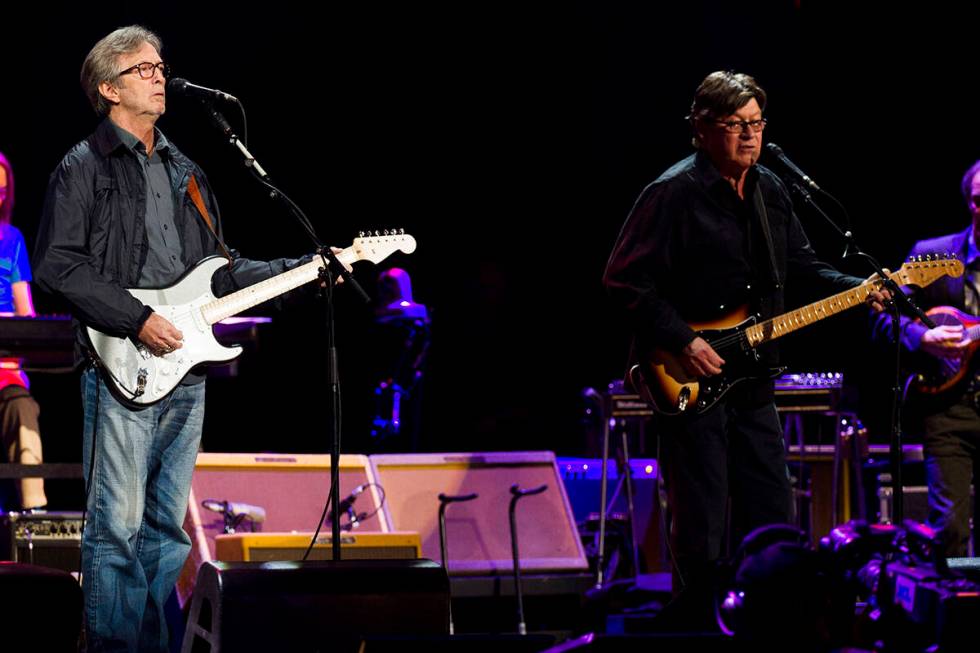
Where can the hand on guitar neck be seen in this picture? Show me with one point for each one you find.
(699, 359)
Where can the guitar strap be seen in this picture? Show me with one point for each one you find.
(760, 209)
(195, 192)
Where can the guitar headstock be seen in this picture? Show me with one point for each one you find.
(378, 245)
(924, 269)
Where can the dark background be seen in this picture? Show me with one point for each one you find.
(511, 141)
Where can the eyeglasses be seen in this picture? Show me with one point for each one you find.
(739, 126)
(147, 69)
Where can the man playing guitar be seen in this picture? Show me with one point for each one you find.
(714, 232)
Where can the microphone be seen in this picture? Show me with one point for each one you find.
(777, 152)
(347, 503)
(241, 510)
(181, 86)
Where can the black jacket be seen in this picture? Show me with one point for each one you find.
(92, 241)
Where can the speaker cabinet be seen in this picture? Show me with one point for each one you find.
(313, 606)
(478, 531)
(823, 496)
(291, 488)
(583, 482)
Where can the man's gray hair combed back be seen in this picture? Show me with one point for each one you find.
(100, 64)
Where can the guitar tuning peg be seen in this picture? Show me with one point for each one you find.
(401, 232)
(385, 232)
(376, 233)
(360, 234)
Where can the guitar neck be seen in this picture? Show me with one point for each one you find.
(804, 316)
(271, 288)
(973, 333)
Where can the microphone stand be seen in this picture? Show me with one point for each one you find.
(899, 300)
(326, 284)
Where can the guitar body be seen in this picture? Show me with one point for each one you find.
(938, 376)
(662, 381)
(140, 378)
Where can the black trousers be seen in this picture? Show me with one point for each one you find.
(951, 445)
(733, 451)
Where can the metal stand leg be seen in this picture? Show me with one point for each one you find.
(444, 501)
(793, 429)
(603, 489)
(626, 476)
(518, 494)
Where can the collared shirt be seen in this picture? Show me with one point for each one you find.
(163, 263)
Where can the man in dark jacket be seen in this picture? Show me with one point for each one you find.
(125, 209)
(950, 420)
(714, 233)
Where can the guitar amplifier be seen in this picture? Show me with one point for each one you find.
(809, 392)
(46, 539)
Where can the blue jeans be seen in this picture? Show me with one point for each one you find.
(134, 544)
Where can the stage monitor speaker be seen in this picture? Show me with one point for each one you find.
(261, 547)
(290, 488)
(313, 606)
(41, 607)
(478, 531)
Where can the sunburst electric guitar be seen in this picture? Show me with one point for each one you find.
(662, 381)
(139, 377)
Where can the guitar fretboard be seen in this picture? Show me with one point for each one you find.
(806, 315)
(919, 273)
(280, 284)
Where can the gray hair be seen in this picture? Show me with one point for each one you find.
(100, 64)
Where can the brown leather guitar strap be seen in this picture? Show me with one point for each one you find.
(195, 192)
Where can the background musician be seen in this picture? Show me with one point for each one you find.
(950, 422)
(19, 428)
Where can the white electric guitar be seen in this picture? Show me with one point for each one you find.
(140, 377)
